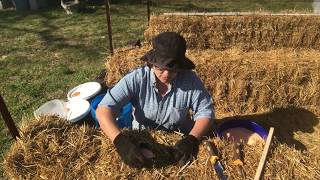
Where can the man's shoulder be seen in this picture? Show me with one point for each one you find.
(139, 72)
(189, 79)
(189, 75)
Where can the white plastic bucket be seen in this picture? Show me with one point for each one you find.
(54, 107)
(74, 110)
(77, 109)
(84, 91)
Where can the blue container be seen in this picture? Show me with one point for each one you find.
(248, 124)
(125, 118)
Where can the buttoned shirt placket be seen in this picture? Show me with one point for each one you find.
(161, 102)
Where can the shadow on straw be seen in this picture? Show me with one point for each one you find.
(286, 121)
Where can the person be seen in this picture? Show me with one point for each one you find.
(162, 93)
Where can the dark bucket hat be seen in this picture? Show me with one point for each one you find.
(168, 52)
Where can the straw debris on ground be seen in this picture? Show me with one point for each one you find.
(51, 148)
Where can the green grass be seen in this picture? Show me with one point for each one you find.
(43, 54)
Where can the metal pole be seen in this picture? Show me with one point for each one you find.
(109, 26)
(148, 7)
(8, 120)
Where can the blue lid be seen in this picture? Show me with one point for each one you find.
(243, 123)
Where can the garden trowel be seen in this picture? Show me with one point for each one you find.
(214, 159)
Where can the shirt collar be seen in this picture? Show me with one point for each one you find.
(153, 79)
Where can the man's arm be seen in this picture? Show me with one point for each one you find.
(201, 126)
(126, 148)
(116, 97)
(107, 122)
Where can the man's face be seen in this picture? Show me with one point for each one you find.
(164, 75)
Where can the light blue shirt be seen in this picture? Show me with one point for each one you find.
(170, 113)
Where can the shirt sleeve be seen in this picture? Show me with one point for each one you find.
(120, 94)
(202, 104)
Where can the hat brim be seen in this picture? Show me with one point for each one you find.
(184, 64)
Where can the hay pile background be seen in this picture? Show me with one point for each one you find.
(54, 149)
(244, 82)
(260, 32)
(239, 80)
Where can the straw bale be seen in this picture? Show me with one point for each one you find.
(244, 82)
(93, 156)
(123, 60)
(249, 32)
(51, 148)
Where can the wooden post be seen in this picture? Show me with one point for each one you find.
(148, 9)
(264, 155)
(109, 26)
(8, 120)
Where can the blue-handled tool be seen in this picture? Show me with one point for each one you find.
(214, 159)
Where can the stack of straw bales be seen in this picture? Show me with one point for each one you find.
(54, 149)
(244, 82)
(261, 32)
(239, 80)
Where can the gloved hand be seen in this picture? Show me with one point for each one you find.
(186, 149)
(129, 152)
